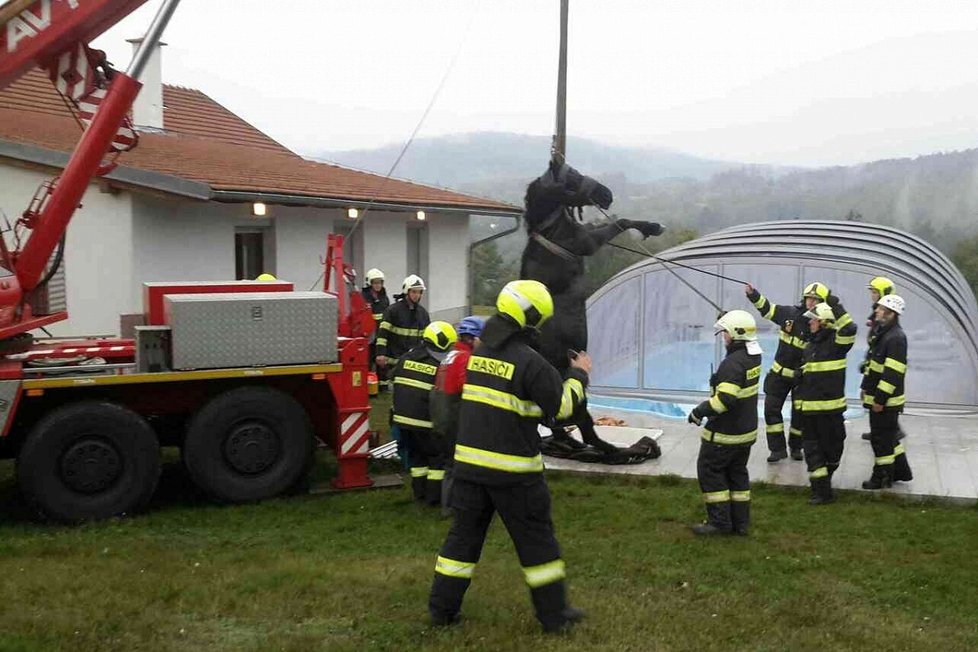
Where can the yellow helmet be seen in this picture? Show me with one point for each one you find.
(739, 323)
(440, 335)
(882, 285)
(823, 313)
(266, 277)
(816, 290)
(528, 303)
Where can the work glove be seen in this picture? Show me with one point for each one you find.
(694, 417)
(645, 228)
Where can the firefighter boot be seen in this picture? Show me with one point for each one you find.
(553, 612)
(821, 492)
(740, 516)
(882, 477)
(433, 488)
(777, 456)
(717, 520)
(419, 482)
(901, 467)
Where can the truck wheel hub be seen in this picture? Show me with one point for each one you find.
(90, 465)
(251, 448)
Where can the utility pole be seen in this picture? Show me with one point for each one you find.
(559, 147)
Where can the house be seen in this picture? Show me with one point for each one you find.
(182, 206)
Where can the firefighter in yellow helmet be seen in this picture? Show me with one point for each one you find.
(414, 378)
(780, 378)
(509, 389)
(730, 429)
(879, 287)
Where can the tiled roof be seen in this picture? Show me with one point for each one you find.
(205, 142)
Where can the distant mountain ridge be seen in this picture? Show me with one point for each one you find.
(482, 158)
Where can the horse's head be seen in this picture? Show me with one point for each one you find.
(562, 185)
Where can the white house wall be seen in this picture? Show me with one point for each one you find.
(300, 243)
(448, 247)
(98, 252)
(116, 242)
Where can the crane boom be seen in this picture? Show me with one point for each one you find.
(54, 35)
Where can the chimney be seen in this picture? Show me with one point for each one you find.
(147, 110)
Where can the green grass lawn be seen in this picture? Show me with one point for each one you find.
(352, 572)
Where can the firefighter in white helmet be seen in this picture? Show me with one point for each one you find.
(820, 396)
(375, 294)
(882, 389)
(403, 322)
(731, 428)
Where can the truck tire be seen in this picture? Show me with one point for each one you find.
(89, 460)
(247, 444)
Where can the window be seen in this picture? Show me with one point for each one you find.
(249, 254)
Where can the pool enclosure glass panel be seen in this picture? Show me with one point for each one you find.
(779, 283)
(616, 358)
(679, 344)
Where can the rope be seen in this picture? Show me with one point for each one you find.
(663, 262)
(417, 128)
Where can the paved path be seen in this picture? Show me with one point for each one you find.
(943, 453)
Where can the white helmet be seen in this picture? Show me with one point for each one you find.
(823, 313)
(413, 282)
(739, 323)
(374, 274)
(892, 302)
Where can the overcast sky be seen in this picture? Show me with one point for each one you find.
(763, 81)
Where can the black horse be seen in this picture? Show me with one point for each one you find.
(554, 255)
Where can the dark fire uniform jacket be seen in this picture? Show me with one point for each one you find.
(887, 370)
(822, 386)
(793, 334)
(400, 329)
(378, 304)
(509, 389)
(414, 378)
(732, 410)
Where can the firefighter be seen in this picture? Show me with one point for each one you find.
(878, 287)
(375, 294)
(414, 378)
(820, 397)
(403, 322)
(731, 428)
(509, 389)
(883, 394)
(400, 330)
(780, 378)
(447, 395)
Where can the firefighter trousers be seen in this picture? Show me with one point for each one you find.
(776, 391)
(891, 457)
(824, 440)
(725, 483)
(525, 511)
(427, 465)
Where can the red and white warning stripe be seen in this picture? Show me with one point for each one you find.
(74, 75)
(355, 434)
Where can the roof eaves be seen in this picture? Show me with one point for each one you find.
(128, 175)
(298, 199)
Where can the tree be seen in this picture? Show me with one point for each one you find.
(965, 256)
(490, 272)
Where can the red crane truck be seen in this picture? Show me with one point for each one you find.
(243, 376)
